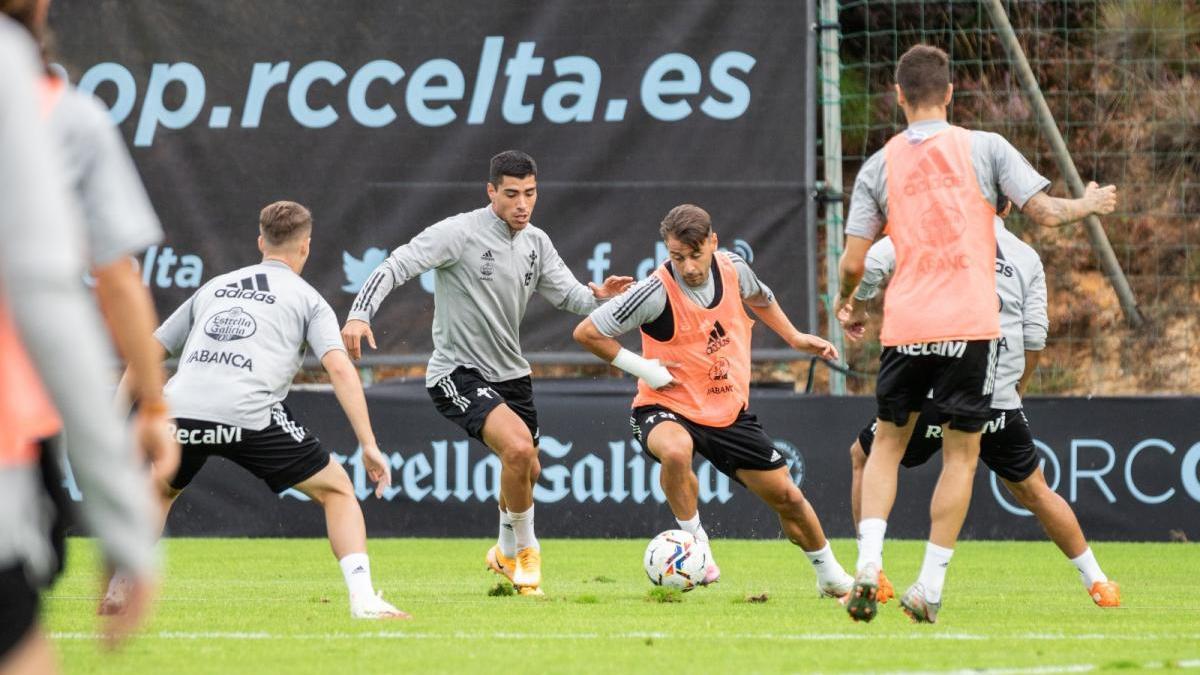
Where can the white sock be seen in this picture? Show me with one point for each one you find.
(826, 565)
(870, 542)
(356, 570)
(1089, 569)
(522, 525)
(933, 570)
(694, 528)
(507, 541)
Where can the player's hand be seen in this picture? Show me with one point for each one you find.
(853, 317)
(379, 469)
(139, 600)
(665, 380)
(613, 286)
(352, 335)
(1101, 200)
(812, 344)
(158, 445)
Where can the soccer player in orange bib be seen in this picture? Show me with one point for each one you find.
(694, 381)
(935, 185)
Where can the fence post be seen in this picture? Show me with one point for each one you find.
(1066, 165)
(831, 101)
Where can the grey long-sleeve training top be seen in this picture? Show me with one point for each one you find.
(41, 264)
(484, 276)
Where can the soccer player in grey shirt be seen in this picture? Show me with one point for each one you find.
(1007, 445)
(240, 340)
(923, 91)
(41, 262)
(488, 263)
(118, 222)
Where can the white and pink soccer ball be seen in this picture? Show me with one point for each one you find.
(675, 559)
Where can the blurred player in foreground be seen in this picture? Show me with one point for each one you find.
(119, 221)
(240, 340)
(694, 381)
(488, 263)
(41, 263)
(1006, 446)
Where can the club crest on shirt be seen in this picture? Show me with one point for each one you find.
(487, 265)
(232, 324)
(719, 370)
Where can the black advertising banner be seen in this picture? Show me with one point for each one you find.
(381, 117)
(1129, 467)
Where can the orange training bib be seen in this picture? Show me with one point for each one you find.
(944, 286)
(712, 347)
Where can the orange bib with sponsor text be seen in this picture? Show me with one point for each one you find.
(944, 286)
(26, 413)
(712, 348)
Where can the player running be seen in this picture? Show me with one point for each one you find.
(1007, 443)
(694, 381)
(488, 262)
(936, 186)
(240, 340)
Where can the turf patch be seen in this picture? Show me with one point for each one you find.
(502, 589)
(664, 595)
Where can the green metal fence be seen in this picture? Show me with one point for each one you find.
(1122, 81)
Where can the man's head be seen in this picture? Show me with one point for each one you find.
(923, 80)
(512, 187)
(284, 233)
(691, 242)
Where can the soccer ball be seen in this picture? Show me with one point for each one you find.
(676, 560)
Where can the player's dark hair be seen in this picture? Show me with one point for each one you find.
(923, 74)
(688, 224)
(283, 222)
(511, 163)
(25, 13)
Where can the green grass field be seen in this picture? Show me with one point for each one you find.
(278, 606)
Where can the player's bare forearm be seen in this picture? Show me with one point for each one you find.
(1050, 211)
(129, 312)
(1031, 364)
(591, 339)
(852, 265)
(347, 387)
(773, 317)
(777, 320)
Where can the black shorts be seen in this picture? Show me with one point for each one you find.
(18, 608)
(741, 445)
(282, 455)
(1006, 446)
(961, 375)
(465, 398)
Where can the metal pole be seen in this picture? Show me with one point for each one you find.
(808, 145)
(831, 100)
(1066, 166)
